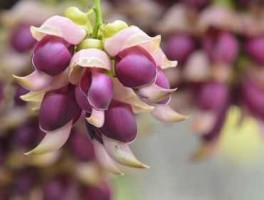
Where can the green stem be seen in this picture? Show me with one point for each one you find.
(98, 16)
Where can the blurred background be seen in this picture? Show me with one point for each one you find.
(217, 154)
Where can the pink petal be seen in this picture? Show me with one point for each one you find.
(100, 92)
(165, 113)
(114, 45)
(121, 153)
(97, 118)
(61, 27)
(35, 81)
(131, 37)
(104, 159)
(53, 140)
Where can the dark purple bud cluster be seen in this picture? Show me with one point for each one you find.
(221, 46)
(221, 52)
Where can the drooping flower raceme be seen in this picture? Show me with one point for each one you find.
(106, 78)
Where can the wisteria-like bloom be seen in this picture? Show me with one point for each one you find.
(105, 79)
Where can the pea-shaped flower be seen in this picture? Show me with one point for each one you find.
(56, 36)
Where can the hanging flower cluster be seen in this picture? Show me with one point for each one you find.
(105, 73)
(220, 50)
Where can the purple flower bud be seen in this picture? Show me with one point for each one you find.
(253, 96)
(82, 91)
(221, 46)
(212, 96)
(59, 188)
(58, 108)
(102, 192)
(120, 123)
(19, 92)
(135, 70)
(162, 80)
(81, 146)
(255, 49)
(100, 93)
(179, 47)
(21, 39)
(52, 55)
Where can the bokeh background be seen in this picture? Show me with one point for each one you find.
(235, 171)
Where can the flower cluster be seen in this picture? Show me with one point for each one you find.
(104, 73)
(219, 47)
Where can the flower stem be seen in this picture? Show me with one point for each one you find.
(98, 16)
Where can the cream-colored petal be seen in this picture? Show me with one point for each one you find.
(197, 67)
(165, 113)
(37, 81)
(97, 118)
(90, 58)
(104, 159)
(89, 173)
(121, 153)
(154, 93)
(127, 95)
(34, 97)
(53, 140)
(61, 27)
(162, 60)
(46, 159)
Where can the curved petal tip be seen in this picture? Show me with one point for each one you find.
(165, 113)
(97, 118)
(155, 93)
(105, 160)
(52, 140)
(122, 154)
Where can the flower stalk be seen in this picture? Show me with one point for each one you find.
(98, 16)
